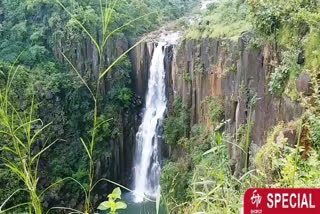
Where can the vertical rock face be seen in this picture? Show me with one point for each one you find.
(236, 73)
(141, 59)
(230, 70)
(113, 164)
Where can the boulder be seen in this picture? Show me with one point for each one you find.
(304, 85)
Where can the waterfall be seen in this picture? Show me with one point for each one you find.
(147, 166)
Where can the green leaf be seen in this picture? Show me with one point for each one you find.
(43, 150)
(119, 58)
(8, 149)
(116, 194)
(219, 139)
(121, 205)
(105, 205)
(211, 150)
(85, 146)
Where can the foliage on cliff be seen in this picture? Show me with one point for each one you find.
(40, 30)
(224, 19)
(293, 26)
(207, 182)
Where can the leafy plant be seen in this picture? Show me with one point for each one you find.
(125, 97)
(22, 131)
(202, 181)
(278, 80)
(177, 124)
(312, 54)
(112, 202)
(187, 77)
(106, 16)
(225, 19)
(215, 110)
(288, 69)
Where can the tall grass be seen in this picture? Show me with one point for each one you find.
(214, 189)
(18, 155)
(19, 126)
(106, 15)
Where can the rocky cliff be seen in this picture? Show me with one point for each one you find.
(115, 163)
(231, 70)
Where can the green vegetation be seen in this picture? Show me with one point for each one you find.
(177, 125)
(18, 155)
(280, 165)
(289, 69)
(209, 183)
(291, 25)
(187, 77)
(215, 110)
(225, 19)
(56, 39)
(66, 96)
(199, 177)
(112, 204)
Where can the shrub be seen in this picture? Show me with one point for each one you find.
(289, 68)
(223, 19)
(215, 110)
(175, 181)
(314, 123)
(278, 80)
(177, 124)
(312, 51)
(267, 155)
(125, 97)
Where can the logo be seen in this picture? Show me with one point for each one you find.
(281, 201)
(255, 199)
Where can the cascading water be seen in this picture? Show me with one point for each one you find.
(147, 168)
(147, 158)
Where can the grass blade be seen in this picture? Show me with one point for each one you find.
(10, 81)
(85, 146)
(38, 132)
(123, 26)
(82, 80)
(27, 123)
(43, 150)
(16, 206)
(8, 149)
(103, 122)
(123, 187)
(15, 170)
(18, 190)
(119, 58)
(108, 16)
(81, 25)
(65, 208)
(158, 200)
(62, 180)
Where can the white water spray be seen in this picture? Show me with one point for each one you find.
(147, 160)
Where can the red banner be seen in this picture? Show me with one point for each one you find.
(282, 201)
